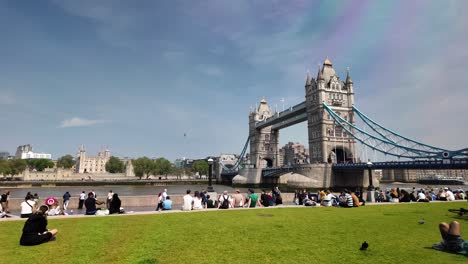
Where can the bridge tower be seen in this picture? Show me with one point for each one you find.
(264, 141)
(328, 142)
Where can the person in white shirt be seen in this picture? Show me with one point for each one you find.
(28, 206)
(82, 199)
(223, 197)
(197, 201)
(164, 195)
(328, 199)
(422, 197)
(109, 199)
(449, 194)
(188, 202)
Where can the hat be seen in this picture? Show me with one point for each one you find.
(446, 188)
(237, 191)
(50, 200)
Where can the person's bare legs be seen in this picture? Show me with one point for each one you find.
(455, 229)
(444, 230)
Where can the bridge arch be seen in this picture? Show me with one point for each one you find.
(266, 163)
(340, 154)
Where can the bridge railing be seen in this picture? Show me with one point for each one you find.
(418, 164)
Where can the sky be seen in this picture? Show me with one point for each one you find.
(178, 78)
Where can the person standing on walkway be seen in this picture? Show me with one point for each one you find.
(4, 200)
(66, 200)
(82, 199)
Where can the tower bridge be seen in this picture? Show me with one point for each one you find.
(333, 139)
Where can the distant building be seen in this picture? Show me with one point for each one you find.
(89, 164)
(294, 153)
(26, 152)
(4, 155)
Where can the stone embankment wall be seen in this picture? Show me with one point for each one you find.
(413, 175)
(134, 201)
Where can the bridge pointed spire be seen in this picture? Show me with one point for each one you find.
(307, 78)
(348, 77)
(319, 74)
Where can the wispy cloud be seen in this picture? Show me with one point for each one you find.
(211, 70)
(80, 122)
(6, 99)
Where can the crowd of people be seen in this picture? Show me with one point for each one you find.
(397, 195)
(202, 200)
(326, 198)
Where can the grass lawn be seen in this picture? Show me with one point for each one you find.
(280, 235)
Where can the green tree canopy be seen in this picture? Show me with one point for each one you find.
(5, 167)
(115, 165)
(17, 166)
(163, 167)
(200, 166)
(66, 162)
(143, 167)
(40, 164)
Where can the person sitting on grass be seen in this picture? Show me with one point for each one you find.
(356, 202)
(347, 199)
(54, 209)
(114, 205)
(167, 204)
(252, 199)
(35, 230)
(209, 202)
(90, 204)
(451, 239)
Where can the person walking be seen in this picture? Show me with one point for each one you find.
(66, 200)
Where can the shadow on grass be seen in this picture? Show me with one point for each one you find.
(148, 261)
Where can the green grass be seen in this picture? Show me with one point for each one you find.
(280, 235)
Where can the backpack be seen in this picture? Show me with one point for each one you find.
(225, 204)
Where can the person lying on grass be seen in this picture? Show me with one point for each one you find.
(35, 230)
(451, 239)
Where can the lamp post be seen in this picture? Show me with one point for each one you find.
(210, 173)
(369, 170)
(370, 188)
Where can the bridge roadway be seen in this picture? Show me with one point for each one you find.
(289, 117)
(457, 164)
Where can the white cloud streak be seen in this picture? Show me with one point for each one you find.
(80, 122)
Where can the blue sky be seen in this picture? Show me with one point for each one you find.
(137, 75)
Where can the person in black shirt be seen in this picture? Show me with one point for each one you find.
(90, 204)
(114, 207)
(35, 230)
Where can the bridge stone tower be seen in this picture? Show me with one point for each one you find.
(263, 142)
(328, 142)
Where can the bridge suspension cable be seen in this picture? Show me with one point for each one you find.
(389, 142)
(239, 160)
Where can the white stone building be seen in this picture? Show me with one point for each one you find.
(26, 152)
(90, 164)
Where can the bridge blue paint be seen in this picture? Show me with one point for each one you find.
(419, 164)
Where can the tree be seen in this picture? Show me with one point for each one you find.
(66, 162)
(5, 167)
(40, 164)
(200, 166)
(163, 167)
(115, 165)
(143, 167)
(17, 166)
